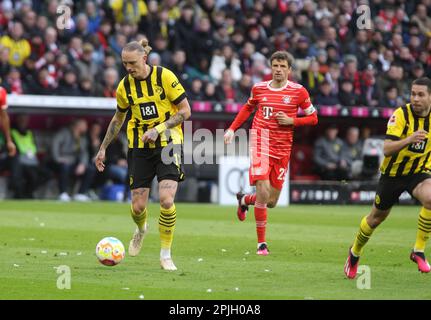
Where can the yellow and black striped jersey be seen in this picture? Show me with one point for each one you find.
(414, 158)
(152, 101)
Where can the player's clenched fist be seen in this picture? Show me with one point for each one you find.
(418, 136)
(100, 157)
(228, 136)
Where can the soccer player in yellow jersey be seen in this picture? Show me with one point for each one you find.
(158, 105)
(406, 167)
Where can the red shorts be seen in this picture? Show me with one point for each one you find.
(269, 168)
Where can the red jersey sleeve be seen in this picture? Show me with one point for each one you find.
(309, 110)
(245, 112)
(252, 101)
(3, 99)
(305, 102)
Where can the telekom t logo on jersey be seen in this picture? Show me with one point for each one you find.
(267, 112)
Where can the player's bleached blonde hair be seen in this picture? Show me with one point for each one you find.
(140, 46)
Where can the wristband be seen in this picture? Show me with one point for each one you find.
(160, 128)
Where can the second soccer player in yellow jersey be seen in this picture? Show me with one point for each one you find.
(406, 167)
(158, 105)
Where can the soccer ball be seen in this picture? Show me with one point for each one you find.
(110, 251)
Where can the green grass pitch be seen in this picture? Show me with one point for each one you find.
(214, 253)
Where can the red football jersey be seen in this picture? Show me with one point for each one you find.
(3, 101)
(277, 141)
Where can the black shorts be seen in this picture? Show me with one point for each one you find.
(145, 164)
(390, 189)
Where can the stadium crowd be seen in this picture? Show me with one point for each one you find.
(219, 48)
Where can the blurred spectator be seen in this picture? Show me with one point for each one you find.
(68, 85)
(50, 41)
(160, 46)
(346, 95)
(210, 92)
(280, 39)
(81, 27)
(178, 67)
(226, 60)
(373, 59)
(109, 85)
(325, 97)
(184, 28)
(13, 83)
(422, 18)
(243, 90)
(350, 72)
(71, 158)
(351, 153)
(87, 88)
(369, 90)
(302, 50)
(130, 11)
(405, 59)
(254, 35)
(359, 47)
(416, 72)
(311, 78)
(394, 77)
(233, 8)
(43, 84)
(154, 59)
(204, 42)
(19, 48)
(29, 24)
(333, 77)
(74, 51)
(93, 15)
(4, 62)
(237, 40)
(196, 90)
(94, 138)
(327, 156)
(391, 98)
(27, 172)
(85, 66)
(116, 160)
(225, 91)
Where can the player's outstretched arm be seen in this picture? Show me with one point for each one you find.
(240, 118)
(112, 131)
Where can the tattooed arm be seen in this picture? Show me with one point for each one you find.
(184, 112)
(113, 129)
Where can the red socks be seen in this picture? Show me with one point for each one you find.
(260, 216)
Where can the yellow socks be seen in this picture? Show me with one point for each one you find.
(167, 221)
(424, 229)
(362, 237)
(139, 219)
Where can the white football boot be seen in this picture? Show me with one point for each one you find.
(135, 244)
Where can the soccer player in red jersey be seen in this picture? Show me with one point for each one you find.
(271, 138)
(5, 123)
